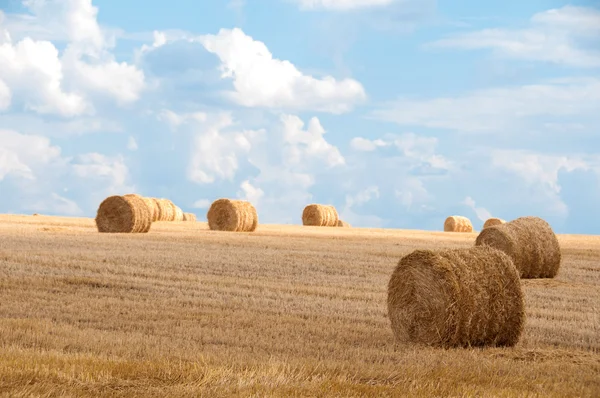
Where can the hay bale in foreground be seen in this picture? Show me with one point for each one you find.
(458, 224)
(341, 223)
(490, 222)
(165, 210)
(320, 215)
(530, 242)
(189, 217)
(232, 215)
(456, 298)
(178, 214)
(123, 214)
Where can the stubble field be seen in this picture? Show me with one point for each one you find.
(284, 311)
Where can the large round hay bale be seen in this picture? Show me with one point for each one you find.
(165, 210)
(456, 298)
(530, 242)
(123, 214)
(189, 217)
(232, 215)
(490, 222)
(320, 215)
(458, 224)
(140, 201)
(341, 223)
(178, 214)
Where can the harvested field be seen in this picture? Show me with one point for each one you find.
(282, 311)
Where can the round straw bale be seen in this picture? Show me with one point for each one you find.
(320, 215)
(232, 215)
(165, 210)
(456, 298)
(493, 221)
(341, 223)
(178, 214)
(530, 242)
(126, 213)
(151, 203)
(189, 217)
(139, 200)
(458, 224)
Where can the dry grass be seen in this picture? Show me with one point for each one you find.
(283, 311)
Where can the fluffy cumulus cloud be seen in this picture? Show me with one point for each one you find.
(262, 81)
(560, 36)
(36, 176)
(36, 75)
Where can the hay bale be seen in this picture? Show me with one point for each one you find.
(320, 215)
(232, 215)
(456, 298)
(139, 200)
(530, 242)
(341, 223)
(189, 217)
(490, 222)
(178, 214)
(123, 214)
(458, 224)
(165, 210)
(153, 207)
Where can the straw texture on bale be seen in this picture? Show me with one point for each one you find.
(232, 215)
(530, 242)
(458, 224)
(123, 214)
(165, 210)
(341, 223)
(456, 298)
(189, 217)
(151, 204)
(320, 216)
(490, 222)
(178, 214)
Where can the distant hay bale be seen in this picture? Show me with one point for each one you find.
(458, 224)
(232, 215)
(490, 222)
(151, 203)
(123, 214)
(178, 214)
(341, 223)
(530, 242)
(189, 217)
(35, 214)
(165, 210)
(456, 298)
(320, 215)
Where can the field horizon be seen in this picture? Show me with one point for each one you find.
(287, 310)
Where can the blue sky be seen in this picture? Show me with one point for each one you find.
(398, 112)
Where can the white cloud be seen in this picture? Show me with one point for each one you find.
(22, 154)
(366, 145)
(414, 148)
(501, 110)
(362, 197)
(341, 5)
(48, 81)
(310, 143)
(555, 36)
(215, 143)
(541, 172)
(110, 172)
(412, 192)
(482, 213)
(250, 193)
(202, 204)
(263, 81)
(56, 204)
(132, 144)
